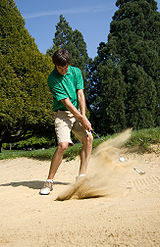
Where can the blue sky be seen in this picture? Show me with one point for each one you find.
(91, 17)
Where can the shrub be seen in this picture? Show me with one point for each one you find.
(31, 143)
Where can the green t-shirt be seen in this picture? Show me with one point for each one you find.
(65, 86)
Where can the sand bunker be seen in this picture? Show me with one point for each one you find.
(105, 171)
(128, 214)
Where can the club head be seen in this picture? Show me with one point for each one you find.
(139, 171)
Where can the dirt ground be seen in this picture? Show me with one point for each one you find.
(128, 214)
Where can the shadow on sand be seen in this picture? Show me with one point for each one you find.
(35, 184)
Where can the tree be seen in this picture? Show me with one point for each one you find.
(24, 96)
(11, 109)
(107, 99)
(133, 47)
(141, 98)
(136, 27)
(71, 40)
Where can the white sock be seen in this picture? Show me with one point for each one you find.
(82, 175)
(49, 180)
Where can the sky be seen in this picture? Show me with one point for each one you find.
(91, 17)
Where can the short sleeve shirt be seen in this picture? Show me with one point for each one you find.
(65, 86)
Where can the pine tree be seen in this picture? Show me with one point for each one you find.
(136, 29)
(133, 47)
(142, 98)
(11, 102)
(107, 99)
(24, 96)
(71, 40)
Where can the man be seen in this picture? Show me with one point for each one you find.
(66, 84)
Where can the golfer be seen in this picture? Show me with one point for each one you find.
(66, 84)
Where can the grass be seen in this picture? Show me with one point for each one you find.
(143, 139)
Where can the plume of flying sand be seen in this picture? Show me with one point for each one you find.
(105, 171)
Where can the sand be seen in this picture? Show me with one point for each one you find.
(113, 206)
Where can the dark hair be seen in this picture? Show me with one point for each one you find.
(61, 58)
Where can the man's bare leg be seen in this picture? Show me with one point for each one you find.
(57, 159)
(85, 153)
(55, 163)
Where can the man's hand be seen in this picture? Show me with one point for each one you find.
(86, 124)
(82, 118)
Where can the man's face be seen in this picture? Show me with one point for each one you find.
(62, 70)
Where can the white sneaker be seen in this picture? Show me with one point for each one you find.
(47, 187)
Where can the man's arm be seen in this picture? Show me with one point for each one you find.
(81, 101)
(81, 117)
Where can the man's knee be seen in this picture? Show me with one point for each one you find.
(88, 139)
(62, 146)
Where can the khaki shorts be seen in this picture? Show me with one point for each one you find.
(65, 122)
